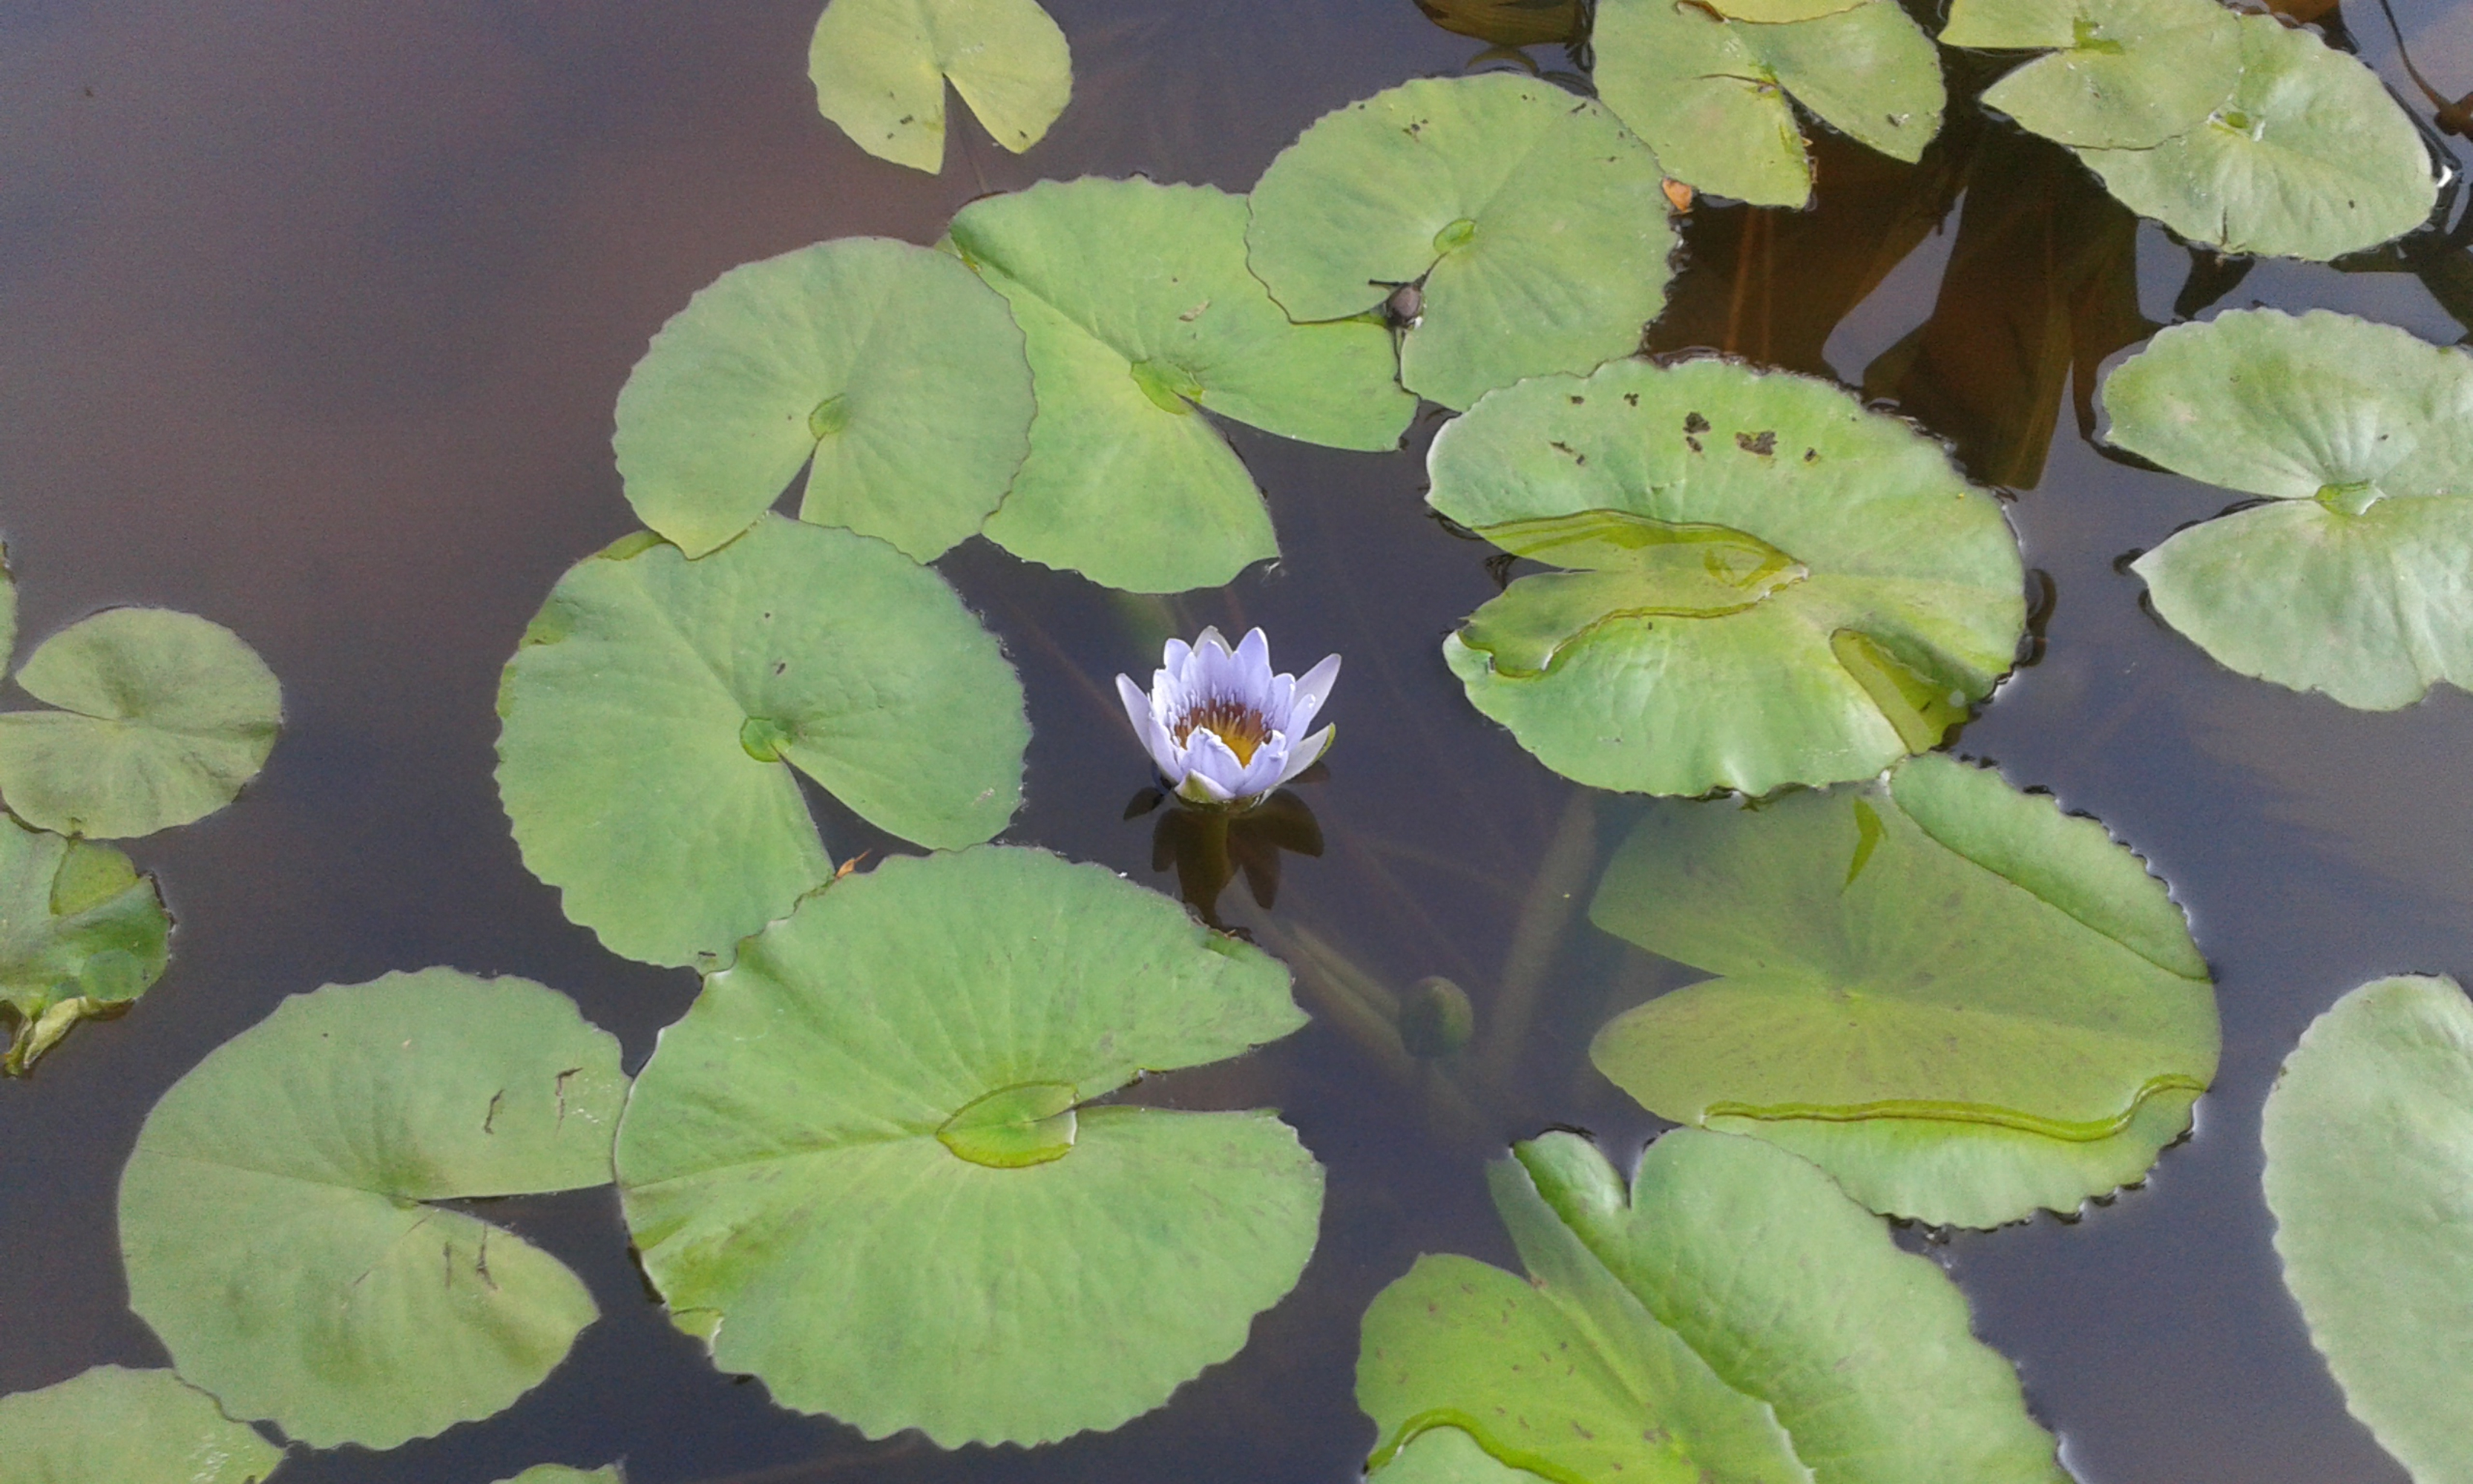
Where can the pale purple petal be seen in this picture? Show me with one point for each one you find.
(1253, 669)
(1305, 754)
(1311, 692)
(1173, 659)
(1275, 707)
(1209, 761)
(1146, 727)
(1167, 696)
(1262, 773)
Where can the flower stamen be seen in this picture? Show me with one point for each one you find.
(1232, 720)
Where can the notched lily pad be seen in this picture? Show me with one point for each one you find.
(1710, 95)
(1959, 1001)
(1729, 1316)
(867, 1166)
(888, 372)
(2351, 580)
(880, 67)
(2309, 157)
(279, 1217)
(657, 706)
(81, 934)
(162, 718)
(1774, 584)
(1533, 228)
(2120, 74)
(1137, 308)
(2369, 1154)
(114, 1425)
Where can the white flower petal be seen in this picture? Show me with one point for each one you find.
(1307, 754)
(1198, 789)
(1311, 692)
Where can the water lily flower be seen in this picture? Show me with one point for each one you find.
(1220, 726)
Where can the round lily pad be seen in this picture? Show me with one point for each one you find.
(1730, 1316)
(657, 706)
(1137, 308)
(1710, 95)
(280, 1216)
(162, 719)
(1534, 228)
(2121, 74)
(114, 1425)
(1936, 950)
(81, 934)
(1766, 582)
(2370, 1157)
(2308, 157)
(888, 372)
(2352, 580)
(866, 1165)
(880, 67)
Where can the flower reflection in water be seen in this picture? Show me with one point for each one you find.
(1210, 847)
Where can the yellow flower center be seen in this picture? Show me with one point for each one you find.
(1233, 722)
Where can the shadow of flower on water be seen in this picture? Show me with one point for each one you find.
(1209, 848)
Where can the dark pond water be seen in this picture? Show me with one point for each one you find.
(311, 320)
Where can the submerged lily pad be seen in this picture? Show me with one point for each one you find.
(279, 1220)
(1710, 95)
(657, 706)
(1534, 228)
(560, 1474)
(2121, 74)
(2369, 1153)
(880, 67)
(114, 1425)
(162, 719)
(1777, 586)
(1961, 1001)
(2352, 580)
(1137, 308)
(2308, 157)
(1732, 1316)
(81, 934)
(818, 1172)
(888, 372)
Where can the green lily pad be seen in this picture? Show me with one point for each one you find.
(114, 1425)
(1780, 11)
(2308, 157)
(1535, 227)
(1731, 1316)
(795, 1183)
(280, 1216)
(657, 706)
(1137, 307)
(888, 372)
(2121, 74)
(2369, 1156)
(163, 719)
(880, 67)
(1777, 586)
(1444, 1454)
(8, 610)
(2352, 580)
(1710, 95)
(560, 1474)
(1936, 950)
(81, 934)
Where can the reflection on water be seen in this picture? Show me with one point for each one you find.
(314, 323)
